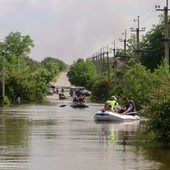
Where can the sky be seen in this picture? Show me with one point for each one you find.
(73, 29)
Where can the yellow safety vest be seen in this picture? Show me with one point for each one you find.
(112, 103)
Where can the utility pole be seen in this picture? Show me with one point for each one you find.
(103, 61)
(97, 62)
(101, 70)
(4, 49)
(108, 65)
(137, 40)
(3, 73)
(166, 38)
(114, 62)
(125, 57)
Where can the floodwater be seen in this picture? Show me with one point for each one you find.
(46, 136)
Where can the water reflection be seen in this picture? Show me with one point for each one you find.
(160, 155)
(13, 141)
(46, 136)
(122, 133)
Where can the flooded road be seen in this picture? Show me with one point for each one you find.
(46, 136)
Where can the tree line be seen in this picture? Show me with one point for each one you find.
(24, 77)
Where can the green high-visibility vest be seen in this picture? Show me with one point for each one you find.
(111, 102)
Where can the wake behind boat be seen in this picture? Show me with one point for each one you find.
(113, 116)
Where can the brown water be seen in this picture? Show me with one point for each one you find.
(46, 136)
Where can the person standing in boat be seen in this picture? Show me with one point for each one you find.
(129, 106)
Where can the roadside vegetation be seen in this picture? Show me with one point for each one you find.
(147, 82)
(25, 77)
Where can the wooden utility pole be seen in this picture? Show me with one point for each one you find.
(108, 64)
(125, 57)
(114, 63)
(100, 56)
(166, 37)
(137, 40)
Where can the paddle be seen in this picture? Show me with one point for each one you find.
(62, 105)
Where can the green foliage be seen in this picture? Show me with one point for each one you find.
(162, 72)
(136, 85)
(158, 108)
(91, 81)
(5, 101)
(30, 87)
(24, 77)
(131, 48)
(152, 45)
(53, 65)
(101, 89)
(81, 72)
(19, 44)
(139, 83)
(159, 114)
(142, 84)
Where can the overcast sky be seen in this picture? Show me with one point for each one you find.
(72, 29)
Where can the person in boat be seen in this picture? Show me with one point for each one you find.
(113, 102)
(75, 99)
(110, 105)
(62, 96)
(82, 98)
(107, 107)
(62, 90)
(118, 107)
(129, 106)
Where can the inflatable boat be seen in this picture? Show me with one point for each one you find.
(113, 116)
(79, 104)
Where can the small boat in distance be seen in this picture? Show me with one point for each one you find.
(113, 116)
(79, 104)
(62, 96)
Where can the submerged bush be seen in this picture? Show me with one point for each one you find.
(158, 113)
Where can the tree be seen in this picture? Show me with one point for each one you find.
(16, 47)
(19, 44)
(140, 83)
(81, 72)
(158, 113)
(101, 89)
(58, 65)
(30, 87)
(152, 45)
(24, 77)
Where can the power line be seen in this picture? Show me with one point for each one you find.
(153, 6)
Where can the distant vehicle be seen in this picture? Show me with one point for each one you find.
(79, 91)
(53, 88)
(84, 92)
(50, 91)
